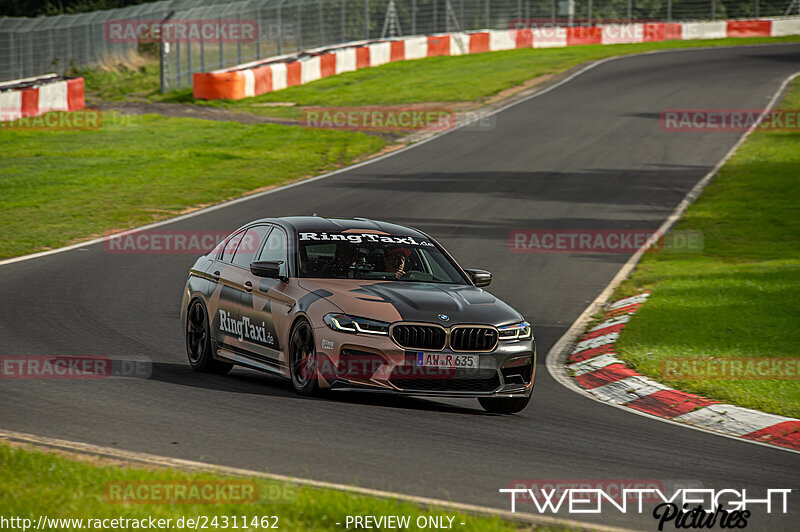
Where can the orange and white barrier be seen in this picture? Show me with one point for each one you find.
(36, 96)
(275, 74)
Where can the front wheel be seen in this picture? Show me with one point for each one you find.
(504, 405)
(198, 342)
(303, 359)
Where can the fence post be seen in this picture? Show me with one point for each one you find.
(162, 54)
(280, 28)
(589, 12)
(366, 19)
(435, 17)
(669, 10)
(630, 8)
(221, 53)
(321, 29)
(487, 14)
(344, 35)
(258, 34)
(299, 26)
(413, 17)
(713, 9)
(757, 6)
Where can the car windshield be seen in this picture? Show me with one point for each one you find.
(370, 256)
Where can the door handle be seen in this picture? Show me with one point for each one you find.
(215, 275)
(248, 286)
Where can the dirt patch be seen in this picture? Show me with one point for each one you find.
(186, 110)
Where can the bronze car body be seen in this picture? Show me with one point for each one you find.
(262, 299)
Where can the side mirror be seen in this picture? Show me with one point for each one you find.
(267, 268)
(480, 277)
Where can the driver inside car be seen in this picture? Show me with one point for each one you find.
(395, 261)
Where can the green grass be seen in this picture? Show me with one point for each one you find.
(122, 82)
(36, 484)
(60, 186)
(739, 296)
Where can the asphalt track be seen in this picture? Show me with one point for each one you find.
(588, 155)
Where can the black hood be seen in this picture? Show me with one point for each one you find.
(422, 302)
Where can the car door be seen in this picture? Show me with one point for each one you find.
(227, 321)
(266, 304)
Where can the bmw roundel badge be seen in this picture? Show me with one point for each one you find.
(444, 317)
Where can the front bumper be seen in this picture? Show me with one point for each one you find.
(362, 362)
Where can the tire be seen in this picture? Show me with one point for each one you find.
(303, 359)
(504, 405)
(198, 342)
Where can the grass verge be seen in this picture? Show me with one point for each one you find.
(738, 297)
(38, 484)
(60, 186)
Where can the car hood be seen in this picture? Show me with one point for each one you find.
(392, 301)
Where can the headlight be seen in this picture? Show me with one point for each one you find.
(353, 324)
(517, 331)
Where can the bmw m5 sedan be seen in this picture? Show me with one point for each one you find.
(339, 304)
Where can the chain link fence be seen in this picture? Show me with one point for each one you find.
(212, 34)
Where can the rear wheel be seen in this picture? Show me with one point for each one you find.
(198, 342)
(504, 405)
(303, 359)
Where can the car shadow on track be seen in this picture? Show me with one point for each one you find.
(251, 382)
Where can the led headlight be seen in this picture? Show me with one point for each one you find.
(353, 324)
(517, 331)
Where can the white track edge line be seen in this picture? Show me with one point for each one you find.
(242, 199)
(556, 358)
(190, 465)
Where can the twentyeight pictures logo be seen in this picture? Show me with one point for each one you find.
(681, 508)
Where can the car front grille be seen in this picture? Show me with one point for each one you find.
(419, 336)
(481, 339)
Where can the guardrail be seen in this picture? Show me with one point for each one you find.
(24, 98)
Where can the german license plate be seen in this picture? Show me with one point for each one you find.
(445, 360)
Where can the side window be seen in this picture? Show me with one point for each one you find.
(275, 249)
(230, 247)
(249, 245)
